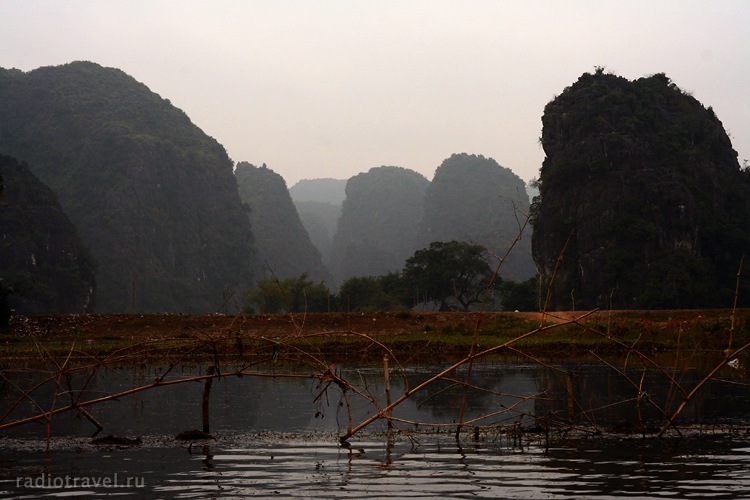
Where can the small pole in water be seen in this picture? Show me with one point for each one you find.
(387, 389)
(571, 407)
(206, 395)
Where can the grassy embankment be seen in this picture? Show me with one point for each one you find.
(406, 333)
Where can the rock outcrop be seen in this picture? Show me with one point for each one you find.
(473, 199)
(153, 197)
(284, 247)
(41, 255)
(642, 190)
(379, 219)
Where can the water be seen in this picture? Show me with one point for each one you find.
(436, 468)
(277, 437)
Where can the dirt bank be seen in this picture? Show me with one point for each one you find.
(409, 333)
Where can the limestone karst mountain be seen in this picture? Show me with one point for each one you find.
(380, 216)
(154, 198)
(642, 183)
(284, 247)
(472, 198)
(41, 255)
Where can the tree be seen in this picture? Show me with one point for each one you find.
(372, 293)
(522, 296)
(291, 295)
(453, 273)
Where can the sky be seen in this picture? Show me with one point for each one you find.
(333, 88)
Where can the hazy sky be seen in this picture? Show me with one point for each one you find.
(322, 88)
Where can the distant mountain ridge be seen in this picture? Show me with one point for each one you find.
(325, 190)
(320, 220)
(318, 203)
(390, 212)
(153, 197)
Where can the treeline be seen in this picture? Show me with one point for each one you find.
(446, 276)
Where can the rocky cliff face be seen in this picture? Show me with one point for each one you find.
(473, 199)
(153, 197)
(41, 255)
(379, 218)
(642, 183)
(284, 247)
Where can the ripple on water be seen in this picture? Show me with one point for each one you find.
(373, 469)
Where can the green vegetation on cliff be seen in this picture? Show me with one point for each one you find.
(153, 197)
(42, 257)
(645, 180)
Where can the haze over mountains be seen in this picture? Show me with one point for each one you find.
(318, 203)
(381, 213)
(641, 175)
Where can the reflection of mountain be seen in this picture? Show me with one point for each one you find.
(254, 404)
(443, 399)
(596, 386)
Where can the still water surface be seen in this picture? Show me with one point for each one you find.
(274, 441)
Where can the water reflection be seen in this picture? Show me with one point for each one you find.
(506, 391)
